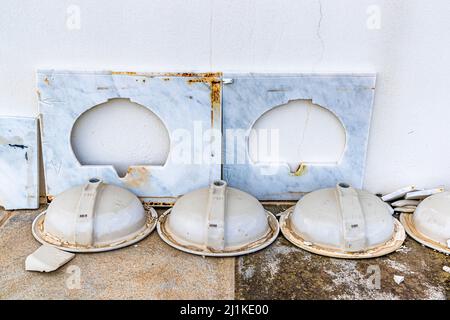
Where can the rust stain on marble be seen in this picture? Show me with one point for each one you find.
(170, 74)
(215, 83)
(136, 176)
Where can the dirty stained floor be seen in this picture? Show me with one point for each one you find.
(153, 270)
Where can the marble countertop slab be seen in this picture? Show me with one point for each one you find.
(247, 96)
(19, 175)
(179, 100)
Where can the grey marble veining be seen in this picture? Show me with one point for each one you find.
(179, 101)
(19, 175)
(348, 96)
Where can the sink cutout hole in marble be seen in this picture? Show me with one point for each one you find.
(120, 133)
(297, 133)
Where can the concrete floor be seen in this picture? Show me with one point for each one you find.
(153, 270)
(149, 270)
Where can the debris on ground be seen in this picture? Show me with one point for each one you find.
(403, 249)
(422, 194)
(399, 279)
(398, 194)
(407, 209)
(47, 259)
(406, 199)
(405, 203)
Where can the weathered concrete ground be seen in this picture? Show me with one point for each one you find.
(153, 270)
(149, 270)
(284, 271)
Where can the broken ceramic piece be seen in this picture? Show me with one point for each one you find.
(398, 194)
(430, 223)
(406, 209)
(94, 217)
(399, 279)
(343, 222)
(404, 203)
(19, 173)
(422, 194)
(218, 221)
(47, 259)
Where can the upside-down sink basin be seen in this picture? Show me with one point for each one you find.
(342, 222)
(218, 221)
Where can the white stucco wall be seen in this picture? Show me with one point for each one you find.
(407, 42)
